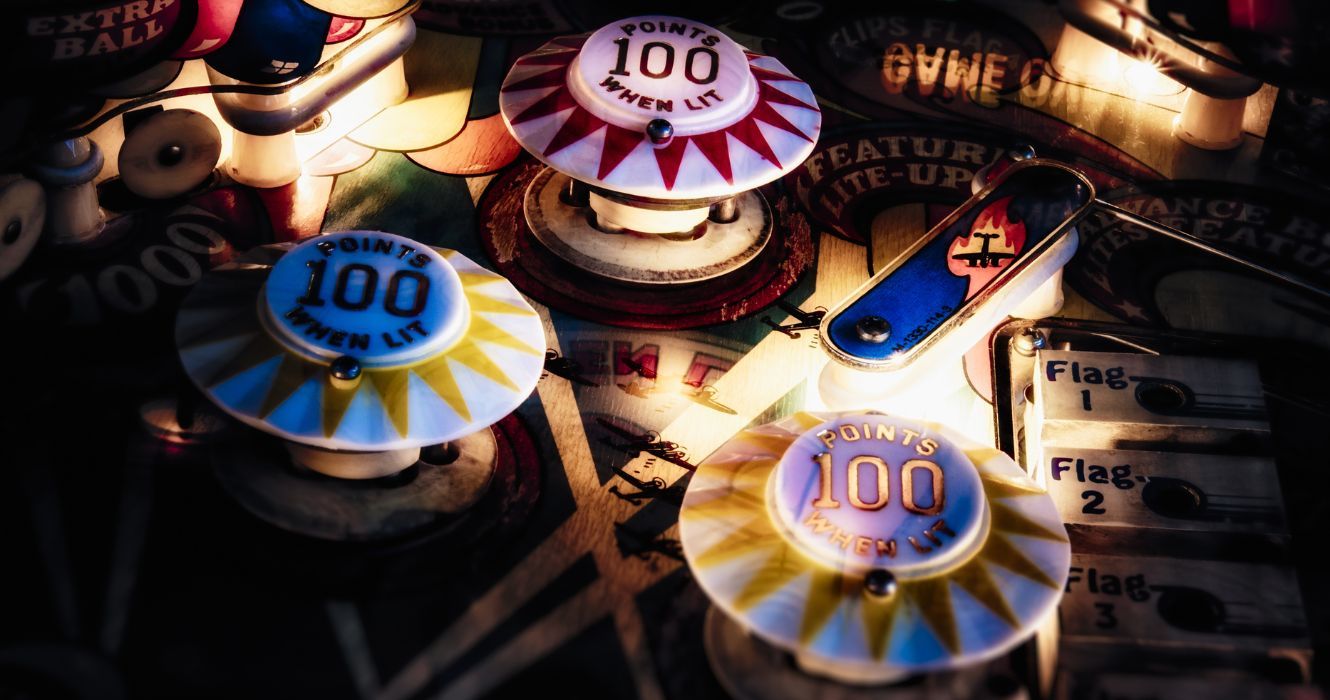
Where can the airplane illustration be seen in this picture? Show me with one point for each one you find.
(984, 257)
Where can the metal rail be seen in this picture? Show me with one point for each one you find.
(1322, 294)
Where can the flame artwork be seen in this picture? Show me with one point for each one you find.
(994, 241)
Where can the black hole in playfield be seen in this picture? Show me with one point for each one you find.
(1161, 397)
(440, 455)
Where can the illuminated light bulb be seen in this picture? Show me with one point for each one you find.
(1142, 77)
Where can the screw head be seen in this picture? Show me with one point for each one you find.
(1030, 340)
(660, 131)
(171, 155)
(873, 329)
(880, 583)
(345, 368)
(1021, 151)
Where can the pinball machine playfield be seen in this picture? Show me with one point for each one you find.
(403, 349)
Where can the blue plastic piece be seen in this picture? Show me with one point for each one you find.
(960, 260)
(275, 41)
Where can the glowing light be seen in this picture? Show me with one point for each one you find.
(1142, 77)
(1081, 58)
(386, 88)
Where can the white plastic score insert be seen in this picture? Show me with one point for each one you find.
(389, 300)
(640, 69)
(845, 488)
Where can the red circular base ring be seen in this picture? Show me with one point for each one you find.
(550, 280)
